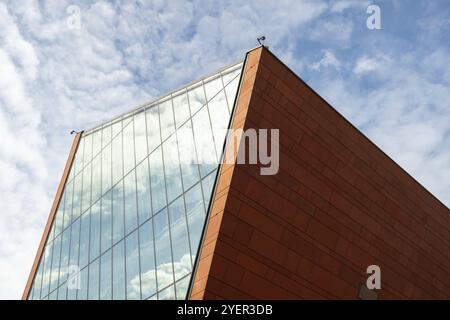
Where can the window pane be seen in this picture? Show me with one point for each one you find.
(106, 234)
(153, 133)
(116, 128)
(94, 241)
(188, 157)
(140, 136)
(231, 82)
(143, 191)
(87, 149)
(106, 276)
(130, 202)
(220, 117)
(84, 239)
(196, 98)
(132, 267)
(158, 189)
(106, 169)
(94, 269)
(106, 135)
(97, 142)
(204, 142)
(118, 217)
(195, 216)
(117, 160)
(55, 263)
(172, 168)
(147, 259)
(74, 250)
(78, 162)
(128, 148)
(65, 250)
(82, 293)
(180, 240)
(119, 271)
(68, 196)
(163, 250)
(47, 269)
(59, 217)
(96, 178)
(62, 291)
(181, 109)
(208, 185)
(212, 87)
(166, 118)
(76, 206)
(38, 281)
(167, 294)
(182, 288)
(86, 200)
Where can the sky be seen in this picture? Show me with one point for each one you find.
(70, 65)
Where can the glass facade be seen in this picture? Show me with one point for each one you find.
(129, 222)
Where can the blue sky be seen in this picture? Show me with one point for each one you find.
(392, 83)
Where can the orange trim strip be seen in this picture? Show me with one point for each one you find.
(52, 214)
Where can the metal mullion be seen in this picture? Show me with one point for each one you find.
(151, 198)
(136, 199)
(165, 189)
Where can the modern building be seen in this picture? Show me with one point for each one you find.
(147, 208)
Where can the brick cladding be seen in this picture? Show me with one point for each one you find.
(337, 205)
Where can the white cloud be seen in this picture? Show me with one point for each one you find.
(328, 60)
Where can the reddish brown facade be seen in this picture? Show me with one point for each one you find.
(337, 205)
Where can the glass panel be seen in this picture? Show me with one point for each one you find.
(153, 132)
(166, 118)
(78, 162)
(132, 267)
(130, 202)
(117, 159)
(47, 269)
(94, 242)
(195, 215)
(196, 98)
(118, 217)
(207, 186)
(147, 260)
(94, 269)
(231, 82)
(55, 263)
(77, 196)
(106, 169)
(87, 149)
(74, 251)
(157, 180)
(84, 239)
(82, 293)
(143, 191)
(163, 250)
(119, 271)
(182, 288)
(128, 148)
(116, 128)
(68, 196)
(167, 294)
(181, 109)
(97, 142)
(59, 217)
(106, 135)
(182, 264)
(86, 200)
(219, 118)
(212, 87)
(62, 292)
(106, 223)
(172, 168)
(96, 178)
(106, 276)
(188, 156)
(204, 142)
(140, 136)
(65, 250)
(38, 281)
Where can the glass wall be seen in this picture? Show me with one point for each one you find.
(129, 223)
